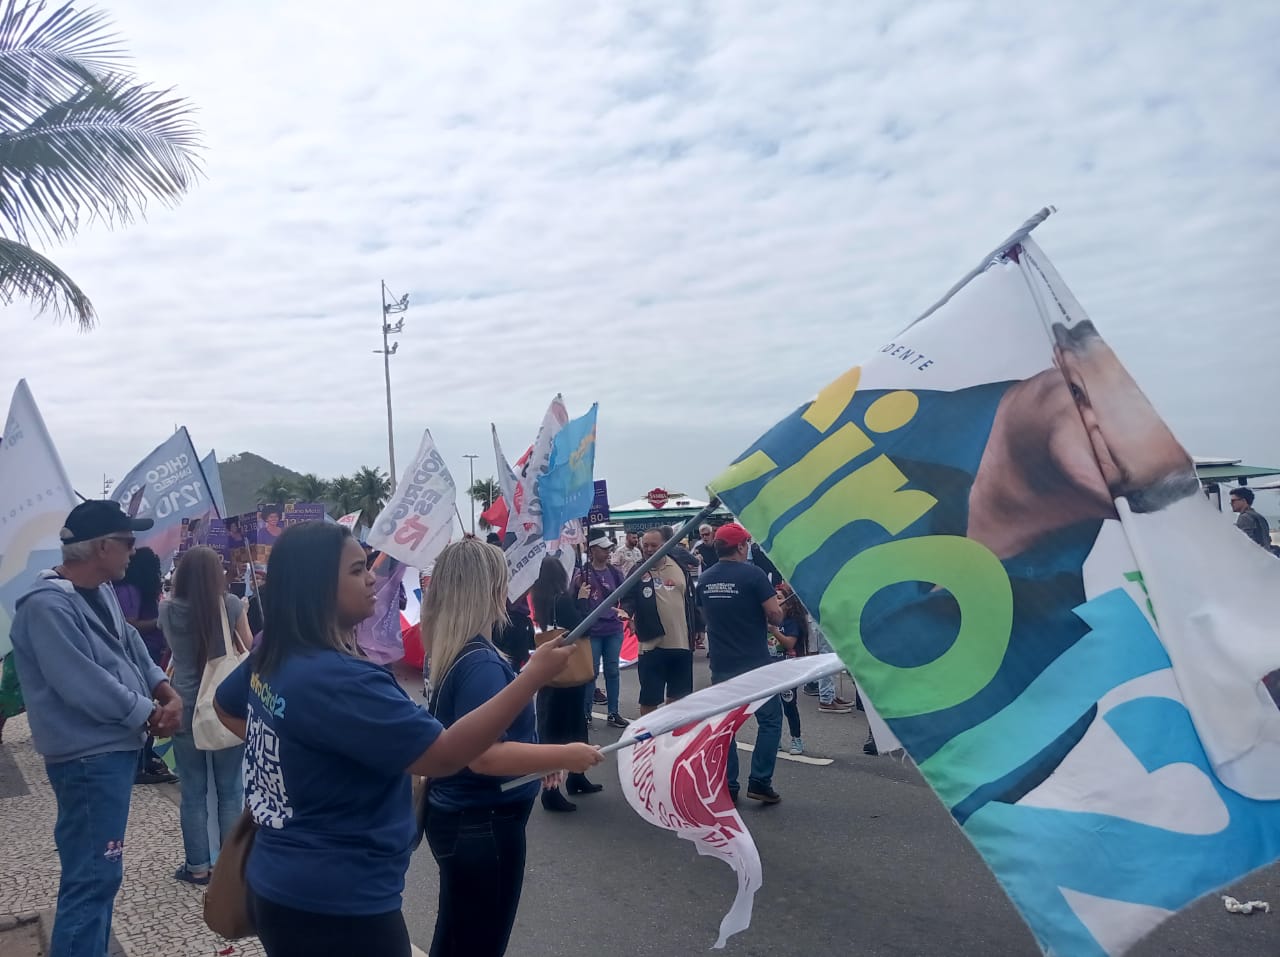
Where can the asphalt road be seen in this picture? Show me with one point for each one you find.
(859, 857)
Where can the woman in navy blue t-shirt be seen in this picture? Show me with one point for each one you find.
(331, 740)
(475, 829)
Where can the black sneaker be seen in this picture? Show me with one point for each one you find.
(617, 721)
(733, 796)
(599, 697)
(152, 777)
(811, 689)
(766, 795)
(870, 746)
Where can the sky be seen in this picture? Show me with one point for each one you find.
(694, 213)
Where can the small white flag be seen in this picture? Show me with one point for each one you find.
(414, 525)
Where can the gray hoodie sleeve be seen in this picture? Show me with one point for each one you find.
(64, 657)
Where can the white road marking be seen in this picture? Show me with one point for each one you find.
(787, 756)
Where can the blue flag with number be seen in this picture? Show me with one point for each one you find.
(173, 489)
(567, 489)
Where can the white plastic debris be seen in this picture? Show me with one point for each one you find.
(1248, 907)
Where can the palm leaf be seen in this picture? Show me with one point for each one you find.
(104, 152)
(45, 59)
(25, 274)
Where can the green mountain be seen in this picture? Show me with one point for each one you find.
(242, 476)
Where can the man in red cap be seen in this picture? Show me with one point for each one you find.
(740, 604)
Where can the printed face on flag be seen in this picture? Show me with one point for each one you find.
(965, 515)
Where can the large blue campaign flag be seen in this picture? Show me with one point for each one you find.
(568, 489)
(173, 489)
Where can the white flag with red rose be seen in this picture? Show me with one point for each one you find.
(676, 780)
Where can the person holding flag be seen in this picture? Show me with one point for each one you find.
(740, 605)
(476, 830)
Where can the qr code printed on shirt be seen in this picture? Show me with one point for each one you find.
(263, 780)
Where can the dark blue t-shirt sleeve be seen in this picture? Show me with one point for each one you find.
(476, 683)
(233, 694)
(372, 721)
(761, 587)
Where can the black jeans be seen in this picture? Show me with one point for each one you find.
(481, 857)
(286, 932)
(792, 710)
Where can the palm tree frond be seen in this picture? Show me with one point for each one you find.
(25, 274)
(372, 489)
(104, 151)
(311, 488)
(44, 59)
(275, 490)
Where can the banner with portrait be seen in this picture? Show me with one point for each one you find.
(1009, 548)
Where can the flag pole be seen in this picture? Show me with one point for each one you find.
(1017, 236)
(637, 573)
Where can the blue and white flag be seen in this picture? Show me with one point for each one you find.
(35, 498)
(213, 478)
(173, 489)
(568, 487)
(1011, 552)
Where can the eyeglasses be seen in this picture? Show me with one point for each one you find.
(127, 540)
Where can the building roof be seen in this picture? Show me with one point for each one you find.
(1232, 471)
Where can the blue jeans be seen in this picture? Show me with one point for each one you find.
(827, 685)
(93, 810)
(768, 736)
(193, 778)
(609, 648)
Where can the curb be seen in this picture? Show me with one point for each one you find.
(14, 921)
(114, 947)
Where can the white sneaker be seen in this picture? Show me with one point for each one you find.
(797, 746)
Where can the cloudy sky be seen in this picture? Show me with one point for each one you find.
(694, 213)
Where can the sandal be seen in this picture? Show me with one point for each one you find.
(183, 873)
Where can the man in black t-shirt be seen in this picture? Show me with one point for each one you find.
(706, 547)
(739, 605)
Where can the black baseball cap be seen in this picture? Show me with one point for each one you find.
(97, 518)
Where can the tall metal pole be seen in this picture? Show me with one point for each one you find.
(471, 461)
(386, 369)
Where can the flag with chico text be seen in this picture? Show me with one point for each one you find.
(174, 492)
(1011, 552)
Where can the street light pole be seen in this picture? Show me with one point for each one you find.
(389, 308)
(471, 461)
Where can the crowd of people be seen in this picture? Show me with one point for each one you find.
(107, 664)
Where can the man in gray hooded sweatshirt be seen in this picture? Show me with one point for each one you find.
(92, 693)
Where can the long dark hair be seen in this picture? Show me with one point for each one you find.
(143, 574)
(552, 582)
(794, 610)
(302, 612)
(200, 581)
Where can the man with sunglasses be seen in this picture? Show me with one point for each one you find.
(92, 694)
